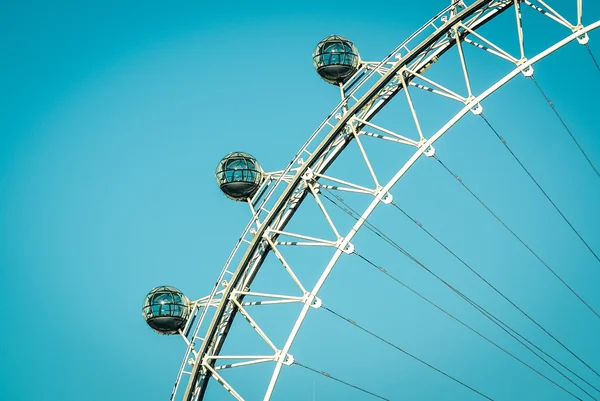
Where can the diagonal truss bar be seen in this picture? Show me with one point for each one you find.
(412, 107)
(364, 155)
(487, 49)
(403, 139)
(323, 210)
(252, 322)
(463, 62)
(447, 92)
(303, 243)
(266, 295)
(247, 363)
(386, 138)
(432, 90)
(313, 240)
(278, 299)
(241, 357)
(355, 187)
(490, 46)
(561, 19)
(285, 264)
(549, 12)
(277, 302)
(223, 382)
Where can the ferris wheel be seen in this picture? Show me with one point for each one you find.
(305, 218)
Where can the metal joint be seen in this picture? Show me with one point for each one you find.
(308, 176)
(582, 39)
(343, 245)
(429, 152)
(284, 358)
(312, 300)
(387, 198)
(528, 71)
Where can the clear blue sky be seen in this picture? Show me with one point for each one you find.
(115, 115)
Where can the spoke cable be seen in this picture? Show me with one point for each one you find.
(553, 107)
(327, 375)
(482, 310)
(478, 199)
(592, 56)
(510, 331)
(492, 287)
(384, 271)
(352, 322)
(539, 186)
(534, 254)
(507, 329)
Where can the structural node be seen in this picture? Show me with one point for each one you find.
(239, 176)
(166, 310)
(336, 59)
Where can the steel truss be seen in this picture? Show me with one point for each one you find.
(282, 192)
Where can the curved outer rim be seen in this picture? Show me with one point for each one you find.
(241, 270)
(194, 391)
(378, 198)
(268, 188)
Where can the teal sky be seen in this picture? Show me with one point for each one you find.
(115, 115)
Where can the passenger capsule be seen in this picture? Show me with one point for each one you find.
(336, 59)
(239, 176)
(166, 310)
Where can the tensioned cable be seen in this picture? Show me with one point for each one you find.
(383, 236)
(516, 236)
(534, 254)
(387, 239)
(327, 375)
(352, 322)
(539, 186)
(592, 56)
(503, 326)
(384, 271)
(490, 285)
(563, 122)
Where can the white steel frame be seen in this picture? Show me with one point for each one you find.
(373, 85)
